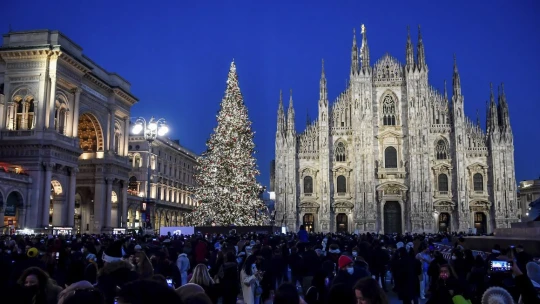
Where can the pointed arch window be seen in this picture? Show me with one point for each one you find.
(478, 182)
(389, 111)
(443, 182)
(390, 157)
(441, 150)
(341, 184)
(341, 152)
(308, 185)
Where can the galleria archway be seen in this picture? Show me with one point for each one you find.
(90, 134)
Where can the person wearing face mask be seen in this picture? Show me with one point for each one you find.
(35, 286)
(345, 273)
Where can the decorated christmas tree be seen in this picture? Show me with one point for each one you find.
(227, 189)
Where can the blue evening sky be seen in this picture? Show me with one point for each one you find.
(176, 54)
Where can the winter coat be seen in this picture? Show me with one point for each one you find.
(200, 252)
(114, 274)
(183, 263)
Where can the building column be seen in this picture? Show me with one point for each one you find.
(70, 220)
(124, 206)
(99, 191)
(108, 203)
(58, 201)
(75, 118)
(52, 97)
(45, 204)
(125, 144)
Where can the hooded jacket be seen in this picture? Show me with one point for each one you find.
(183, 263)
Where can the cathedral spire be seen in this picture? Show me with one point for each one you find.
(364, 50)
(409, 51)
(281, 126)
(456, 81)
(493, 115)
(323, 93)
(290, 116)
(503, 112)
(354, 55)
(308, 119)
(421, 60)
(477, 118)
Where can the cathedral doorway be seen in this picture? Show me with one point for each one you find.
(341, 223)
(392, 217)
(444, 222)
(309, 222)
(480, 222)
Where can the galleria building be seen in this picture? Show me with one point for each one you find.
(392, 154)
(67, 159)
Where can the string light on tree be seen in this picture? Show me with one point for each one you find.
(227, 190)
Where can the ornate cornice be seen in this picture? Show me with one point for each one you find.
(75, 63)
(28, 53)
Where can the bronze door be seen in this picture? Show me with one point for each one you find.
(309, 222)
(392, 217)
(341, 223)
(444, 222)
(480, 222)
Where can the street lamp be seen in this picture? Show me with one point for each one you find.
(150, 130)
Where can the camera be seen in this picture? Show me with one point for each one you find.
(170, 282)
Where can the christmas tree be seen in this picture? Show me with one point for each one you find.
(227, 189)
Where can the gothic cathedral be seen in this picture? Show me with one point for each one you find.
(394, 155)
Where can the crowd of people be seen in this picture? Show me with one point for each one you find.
(310, 268)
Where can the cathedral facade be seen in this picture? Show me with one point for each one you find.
(392, 154)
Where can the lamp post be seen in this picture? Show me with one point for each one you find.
(150, 129)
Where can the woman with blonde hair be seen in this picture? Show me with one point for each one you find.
(143, 267)
(202, 277)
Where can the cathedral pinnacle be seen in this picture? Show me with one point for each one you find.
(354, 55)
(493, 120)
(421, 53)
(409, 51)
(290, 116)
(364, 50)
(456, 81)
(503, 110)
(281, 115)
(323, 94)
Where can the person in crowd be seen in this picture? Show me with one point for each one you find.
(458, 263)
(341, 293)
(183, 266)
(311, 263)
(345, 273)
(250, 278)
(287, 294)
(90, 268)
(81, 292)
(202, 277)
(228, 279)
(296, 265)
(115, 272)
(368, 291)
(522, 258)
(36, 287)
(434, 268)
(477, 279)
(424, 256)
(381, 262)
(146, 291)
(143, 267)
(303, 234)
(407, 271)
(445, 287)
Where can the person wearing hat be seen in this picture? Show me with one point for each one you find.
(345, 272)
(115, 271)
